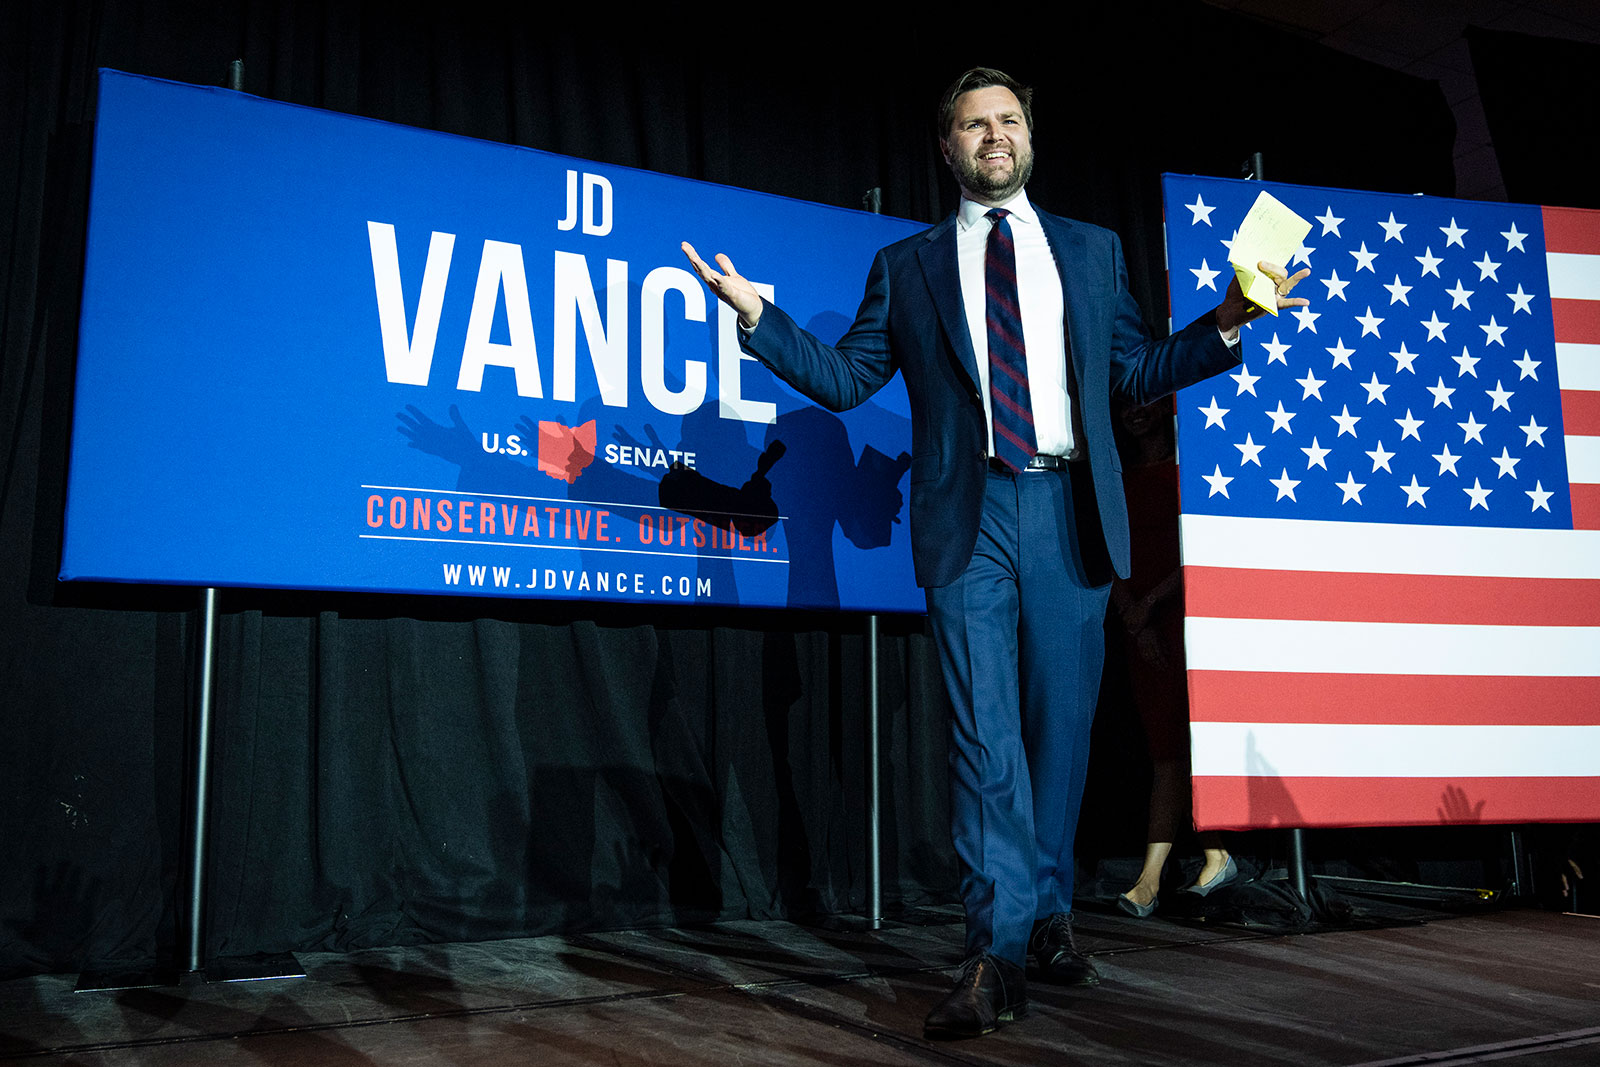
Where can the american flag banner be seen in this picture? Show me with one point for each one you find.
(1391, 515)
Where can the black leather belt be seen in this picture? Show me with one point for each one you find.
(1037, 463)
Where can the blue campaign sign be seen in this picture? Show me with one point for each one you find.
(326, 352)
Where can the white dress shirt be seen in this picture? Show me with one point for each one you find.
(1043, 316)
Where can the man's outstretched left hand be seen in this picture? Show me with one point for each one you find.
(1235, 310)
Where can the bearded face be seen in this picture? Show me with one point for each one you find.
(988, 146)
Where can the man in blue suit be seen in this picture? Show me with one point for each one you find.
(1014, 329)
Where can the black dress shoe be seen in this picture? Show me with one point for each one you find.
(988, 992)
(1053, 956)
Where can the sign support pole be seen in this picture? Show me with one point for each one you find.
(872, 200)
(193, 921)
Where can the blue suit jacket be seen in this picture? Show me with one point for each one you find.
(912, 320)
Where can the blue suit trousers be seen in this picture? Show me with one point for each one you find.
(1021, 642)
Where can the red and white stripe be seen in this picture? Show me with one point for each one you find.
(1345, 674)
(1572, 258)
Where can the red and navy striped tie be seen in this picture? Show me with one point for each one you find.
(1009, 406)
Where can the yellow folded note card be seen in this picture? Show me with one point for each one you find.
(1270, 232)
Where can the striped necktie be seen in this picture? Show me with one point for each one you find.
(1009, 406)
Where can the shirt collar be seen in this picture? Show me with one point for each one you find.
(970, 213)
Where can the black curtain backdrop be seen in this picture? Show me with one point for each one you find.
(1539, 96)
(402, 770)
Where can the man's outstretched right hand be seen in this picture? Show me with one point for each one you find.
(729, 285)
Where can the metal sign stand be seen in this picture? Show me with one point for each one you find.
(872, 200)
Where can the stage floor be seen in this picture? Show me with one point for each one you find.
(1510, 987)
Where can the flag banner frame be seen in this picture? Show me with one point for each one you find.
(1390, 528)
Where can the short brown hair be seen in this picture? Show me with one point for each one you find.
(983, 78)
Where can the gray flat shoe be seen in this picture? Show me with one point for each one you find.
(1228, 875)
(1138, 911)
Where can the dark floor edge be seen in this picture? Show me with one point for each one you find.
(1497, 1050)
(345, 1024)
(1198, 942)
(781, 977)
